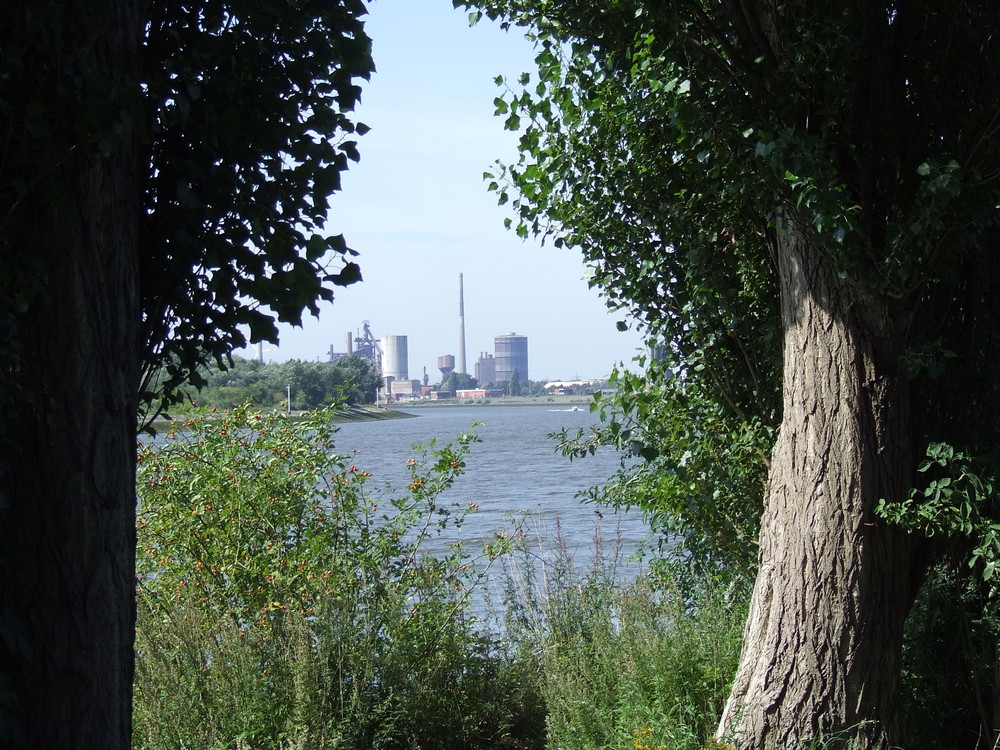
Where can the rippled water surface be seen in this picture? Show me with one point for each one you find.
(515, 470)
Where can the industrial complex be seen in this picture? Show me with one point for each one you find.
(508, 361)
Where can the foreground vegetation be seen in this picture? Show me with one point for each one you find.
(283, 603)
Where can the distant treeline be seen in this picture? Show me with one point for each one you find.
(311, 384)
(454, 381)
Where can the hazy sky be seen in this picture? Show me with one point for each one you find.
(417, 209)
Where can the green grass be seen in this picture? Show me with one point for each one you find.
(635, 664)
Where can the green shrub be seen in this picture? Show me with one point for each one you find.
(281, 605)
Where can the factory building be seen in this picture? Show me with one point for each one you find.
(486, 371)
(511, 354)
(405, 389)
(391, 355)
(363, 345)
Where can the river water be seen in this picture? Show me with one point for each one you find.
(514, 474)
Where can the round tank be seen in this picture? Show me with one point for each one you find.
(394, 357)
(511, 355)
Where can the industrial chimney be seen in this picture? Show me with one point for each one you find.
(461, 327)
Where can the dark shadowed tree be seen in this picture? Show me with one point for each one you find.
(514, 384)
(165, 170)
(457, 381)
(845, 156)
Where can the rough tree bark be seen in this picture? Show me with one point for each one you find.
(821, 653)
(68, 532)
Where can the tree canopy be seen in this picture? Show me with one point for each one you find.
(799, 202)
(165, 175)
(349, 380)
(651, 136)
(456, 381)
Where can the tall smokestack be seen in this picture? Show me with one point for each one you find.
(461, 326)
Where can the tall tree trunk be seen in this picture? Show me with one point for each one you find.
(821, 652)
(67, 549)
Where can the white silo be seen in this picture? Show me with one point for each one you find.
(394, 358)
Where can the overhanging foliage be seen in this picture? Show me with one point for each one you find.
(246, 117)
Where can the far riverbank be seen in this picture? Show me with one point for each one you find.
(358, 413)
(554, 401)
(375, 413)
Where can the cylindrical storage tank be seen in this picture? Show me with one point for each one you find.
(394, 357)
(446, 363)
(511, 355)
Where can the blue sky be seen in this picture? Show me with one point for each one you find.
(417, 209)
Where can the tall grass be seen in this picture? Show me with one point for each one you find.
(625, 661)
(332, 684)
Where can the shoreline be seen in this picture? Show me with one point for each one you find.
(381, 412)
(358, 413)
(581, 401)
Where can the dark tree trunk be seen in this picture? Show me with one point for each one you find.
(67, 549)
(821, 655)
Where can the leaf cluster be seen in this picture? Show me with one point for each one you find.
(694, 467)
(619, 160)
(258, 513)
(246, 118)
(231, 119)
(956, 499)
